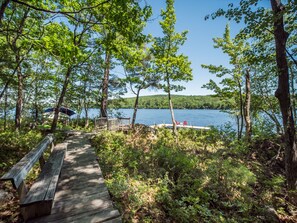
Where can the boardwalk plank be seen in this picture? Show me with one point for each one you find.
(78, 193)
(71, 203)
(81, 194)
(114, 220)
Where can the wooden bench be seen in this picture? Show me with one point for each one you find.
(39, 199)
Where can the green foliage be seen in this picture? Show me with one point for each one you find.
(14, 145)
(179, 101)
(199, 180)
(171, 65)
(231, 84)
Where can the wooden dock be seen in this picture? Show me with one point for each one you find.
(180, 126)
(81, 194)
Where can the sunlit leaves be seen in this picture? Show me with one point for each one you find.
(171, 65)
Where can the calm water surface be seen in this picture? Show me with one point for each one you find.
(198, 117)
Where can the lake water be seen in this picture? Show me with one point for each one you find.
(197, 117)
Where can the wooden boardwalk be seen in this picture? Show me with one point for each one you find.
(81, 194)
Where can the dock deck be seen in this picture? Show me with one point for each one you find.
(81, 194)
(180, 126)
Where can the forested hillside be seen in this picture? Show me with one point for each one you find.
(179, 101)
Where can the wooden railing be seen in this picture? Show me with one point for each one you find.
(112, 124)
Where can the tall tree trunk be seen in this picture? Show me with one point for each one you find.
(18, 60)
(238, 123)
(4, 89)
(85, 105)
(36, 114)
(241, 118)
(171, 108)
(293, 93)
(273, 117)
(19, 102)
(5, 110)
(14, 48)
(104, 97)
(247, 106)
(2, 9)
(36, 103)
(87, 116)
(283, 94)
(79, 110)
(135, 108)
(61, 99)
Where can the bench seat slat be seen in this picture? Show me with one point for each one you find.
(39, 199)
(19, 171)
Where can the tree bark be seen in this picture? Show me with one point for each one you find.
(85, 104)
(4, 89)
(87, 117)
(18, 60)
(104, 97)
(19, 102)
(247, 106)
(292, 77)
(171, 109)
(36, 103)
(283, 94)
(61, 99)
(135, 108)
(241, 118)
(5, 110)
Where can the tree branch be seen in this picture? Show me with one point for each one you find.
(60, 12)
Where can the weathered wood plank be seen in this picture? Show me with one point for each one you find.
(84, 216)
(94, 216)
(48, 176)
(38, 201)
(69, 215)
(71, 193)
(22, 190)
(69, 205)
(84, 174)
(72, 201)
(91, 166)
(115, 220)
(74, 185)
(19, 171)
(81, 194)
(62, 148)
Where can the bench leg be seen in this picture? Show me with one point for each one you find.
(37, 209)
(22, 190)
(41, 161)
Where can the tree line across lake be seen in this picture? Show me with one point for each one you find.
(179, 101)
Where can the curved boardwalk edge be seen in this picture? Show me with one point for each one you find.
(81, 194)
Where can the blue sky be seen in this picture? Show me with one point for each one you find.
(199, 45)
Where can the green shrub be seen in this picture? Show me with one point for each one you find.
(153, 179)
(14, 145)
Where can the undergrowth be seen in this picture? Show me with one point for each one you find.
(202, 178)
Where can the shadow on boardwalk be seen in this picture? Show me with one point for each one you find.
(81, 195)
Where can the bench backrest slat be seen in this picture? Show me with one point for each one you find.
(19, 171)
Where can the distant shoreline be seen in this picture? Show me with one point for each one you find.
(175, 108)
(179, 102)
